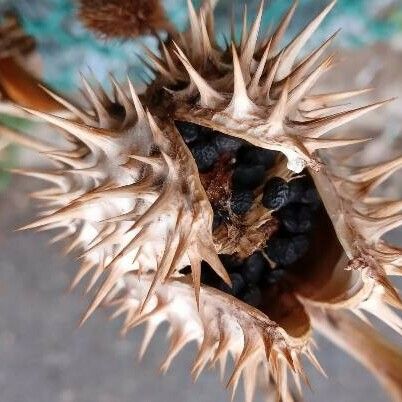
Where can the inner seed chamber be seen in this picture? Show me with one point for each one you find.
(270, 224)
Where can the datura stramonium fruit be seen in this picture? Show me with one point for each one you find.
(215, 201)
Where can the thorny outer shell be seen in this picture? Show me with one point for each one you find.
(126, 176)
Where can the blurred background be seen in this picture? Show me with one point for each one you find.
(43, 357)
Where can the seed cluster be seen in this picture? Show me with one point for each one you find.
(245, 165)
(294, 204)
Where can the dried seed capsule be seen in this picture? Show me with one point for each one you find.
(296, 218)
(205, 155)
(248, 177)
(251, 155)
(254, 268)
(241, 202)
(188, 131)
(252, 296)
(276, 193)
(286, 251)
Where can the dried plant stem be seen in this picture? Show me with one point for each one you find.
(365, 344)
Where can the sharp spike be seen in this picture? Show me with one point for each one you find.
(279, 111)
(25, 141)
(211, 257)
(47, 176)
(382, 208)
(293, 49)
(83, 270)
(317, 128)
(244, 28)
(100, 106)
(137, 103)
(253, 88)
(247, 353)
(283, 26)
(206, 43)
(178, 341)
(374, 228)
(195, 31)
(240, 105)
(158, 66)
(86, 134)
(122, 98)
(270, 78)
(249, 381)
(313, 359)
(169, 61)
(304, 66)
(249, 48)
(322, 100)
(150, 330)
(377, 173)
(322, 112)
(313, 144)
(115, 274)
(209, 97)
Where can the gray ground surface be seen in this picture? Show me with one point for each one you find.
(45, 358)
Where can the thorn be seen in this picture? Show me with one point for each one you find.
(137, 103)
(86, 118)
(249, 48)
(283, 26)
(293, 49)
(209, 97)
(240, 105)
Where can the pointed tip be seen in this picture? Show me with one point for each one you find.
(136, 100)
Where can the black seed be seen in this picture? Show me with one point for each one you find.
(226, 144)
(252, 296)
(297, 187)
(286, 251)
(251, 155)
(241, 202)
(276, 193)
(311, 197)
(230, 262)
(274, 276)
(248, 177)
(205, 155)
(238, 285)
(296, 218)
(188, 131)
(254, 267)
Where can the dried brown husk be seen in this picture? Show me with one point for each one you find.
(251, 91)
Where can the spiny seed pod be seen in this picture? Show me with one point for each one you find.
(123, 19)
(301, 244)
